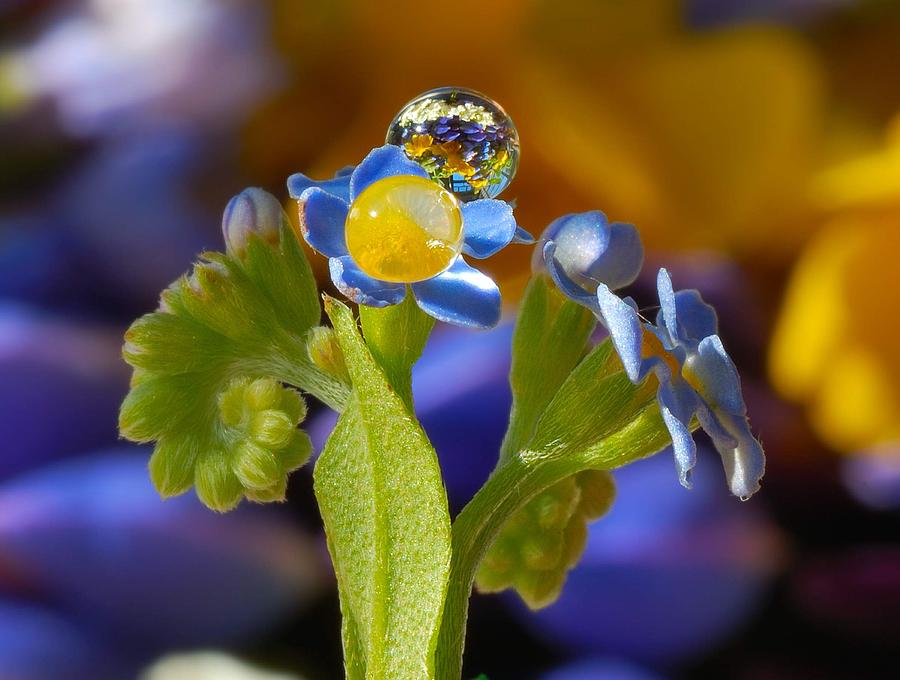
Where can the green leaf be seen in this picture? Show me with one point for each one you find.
(396, 336)
(208, 367)
(551, 337)
(385, 512)
(596, 399)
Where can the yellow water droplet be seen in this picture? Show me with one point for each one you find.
(404, 229)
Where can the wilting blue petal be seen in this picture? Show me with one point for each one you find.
(745, 463)
(523, 236)
(621, 319)
(385, 161)
(667, 311)
(358, 286)
(715, 376)
(696, 319)
(677, 403)
(461, 295)
(322, 218)
(94, 538)
(338, 186)
(489, 227)
(563, 282)
(711, 424)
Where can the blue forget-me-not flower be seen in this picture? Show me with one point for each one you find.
(696, 377)
(583, 250)
(588, 257)
(458, 294)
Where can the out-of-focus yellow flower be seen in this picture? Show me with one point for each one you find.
(837, 342)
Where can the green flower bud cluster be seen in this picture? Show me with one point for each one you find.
(262, 444)
(209, 365)
(538, 545)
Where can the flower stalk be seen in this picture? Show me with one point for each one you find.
(220, 367)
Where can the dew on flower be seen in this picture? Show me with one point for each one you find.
(404, 229)
(463, 139)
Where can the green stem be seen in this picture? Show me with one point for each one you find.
(510, 487)
(293, 366)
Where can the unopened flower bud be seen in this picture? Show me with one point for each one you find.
(253, 211)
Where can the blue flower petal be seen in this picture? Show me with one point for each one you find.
(716, 377)
(710, 423)
(563, 282)
(677, 403)
(338, 186)
(489, 227)
(385, 161)
(621, 263)
(322, 218)
(668, 314)
(696, 319)
(624, 325)
(346, 171)
(461, 295)
(745, 464)
(362, 288)
(523, 237)
(592, 251)
(580, 239)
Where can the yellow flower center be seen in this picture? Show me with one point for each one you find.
(652, 346)
(404, 229)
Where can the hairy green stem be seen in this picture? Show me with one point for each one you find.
(511, 486)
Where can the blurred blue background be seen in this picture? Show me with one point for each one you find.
(755, 144)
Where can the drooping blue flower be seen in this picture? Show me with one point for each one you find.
(460, 295)
(583, 250)
(696, 377)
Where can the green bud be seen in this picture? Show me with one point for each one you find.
(325, 352)
(256, 466)
(172, 466)
(297, 452)
(543, 540)
(262, 394)
(273, 494)
(271, 428)
(598, 491)
(217, 485)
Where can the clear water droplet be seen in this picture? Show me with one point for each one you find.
(464, 140)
